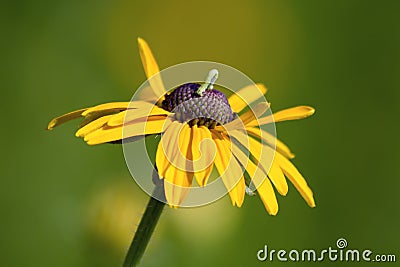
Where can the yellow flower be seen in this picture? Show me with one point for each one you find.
(228, 137)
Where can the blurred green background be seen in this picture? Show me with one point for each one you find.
(64, 203)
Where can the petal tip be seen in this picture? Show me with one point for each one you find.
(312, 111)
(172, 206)
(273, 211)
(79, 133)
(311, 203)
(262, 88)
(51, 125)
(239, 204)
(283, 193)
(91, 142)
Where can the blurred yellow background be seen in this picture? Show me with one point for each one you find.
(64, 203)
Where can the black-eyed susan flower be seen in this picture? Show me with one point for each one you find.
(188, 115)
(237, 145)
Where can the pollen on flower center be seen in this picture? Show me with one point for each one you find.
(211, 108)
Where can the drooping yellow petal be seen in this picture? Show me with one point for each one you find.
(271, 140)
(296, 178)
(133, 114)
(93, 126)
(245, 96)
(153, 125)
(64, 118)
(203, 157)
(151, 68)
(117, 106)
(267, 195)
(245, 119)
(178, 179)
(262, 154)
(168, 142)
(162, 161)
(171, 149)
(177, 190)
(256, 174)
(229, 169)
(276, 176)
(295, 113)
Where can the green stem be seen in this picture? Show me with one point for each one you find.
(145, 230)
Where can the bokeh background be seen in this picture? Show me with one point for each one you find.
(64, 203)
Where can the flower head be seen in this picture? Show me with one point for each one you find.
(208, 109)
(201, 129)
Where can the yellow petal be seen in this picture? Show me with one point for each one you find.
(245, 96)
(96, 115)
(153, 125)
(177, 179)
(183, 156)
(276, 176)
(132, 114)
(170, 139)
(202, 162)
(168, 142)
(296, 178)
(258, 177)
(117, 106)
(271, 140)
(147, 94)
(256, 174)
(254, 113)
(295, 113)
(162, 161)
(64, 118)
(151, 68)
(92, 126)
(262, 154)
(245, 119)
(267, 195)
(177, 190)
(229, 169)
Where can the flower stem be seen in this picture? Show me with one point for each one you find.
(145, 230)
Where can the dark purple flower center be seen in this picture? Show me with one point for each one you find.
(209, 109)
